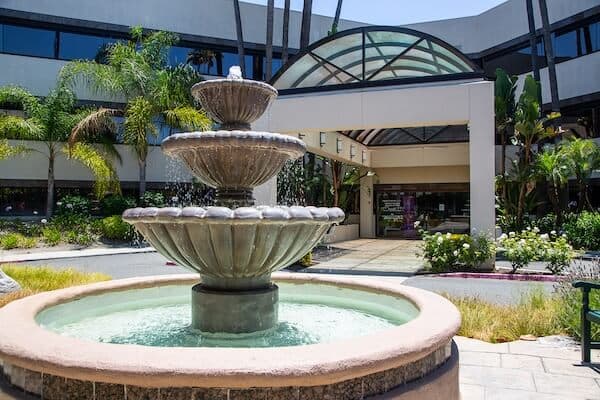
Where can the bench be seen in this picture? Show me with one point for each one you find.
(587, 317)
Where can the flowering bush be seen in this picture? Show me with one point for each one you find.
(528, 245)
(455, 252)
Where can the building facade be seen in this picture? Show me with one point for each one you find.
(423, 163)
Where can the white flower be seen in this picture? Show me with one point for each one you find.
(44, 221)
(448, 235)
(416, 224)
(553, 232)
(522, 241)
(35, 213)
(438, 234)
(466, 246)
(59, 203)
(544, 237)
(69, 205)
(174, 199)
(440, 239)
(564, 235)
(511, 234)
(455, 252)
(536, 229)
(528, 228)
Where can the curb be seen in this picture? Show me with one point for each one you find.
(509, 277)
(19, 258)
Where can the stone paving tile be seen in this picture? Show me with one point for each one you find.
(568, 367)
(480, 358)
(467, 344)
(517, 361)
(472, 392)
(566, 385)
(512, 394)
(497, 377)
(526, 348)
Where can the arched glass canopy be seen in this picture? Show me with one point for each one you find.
(373, 55)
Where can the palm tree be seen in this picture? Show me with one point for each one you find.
(305, 28)
(240, 35)
(286, 31)
(583, 157)
(51, 122)
(504, 98)
(529, 130)
(7, 150)
(269, 41)
(552, 166)
(137, 71)
(336, 18)
(201, 57)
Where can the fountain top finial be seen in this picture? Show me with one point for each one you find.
(235, 72)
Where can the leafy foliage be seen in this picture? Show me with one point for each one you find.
(451, 252)
(583, 230)
(115, 228)
(73, 206)
(16, 241)
(152, 199)
(116, 204)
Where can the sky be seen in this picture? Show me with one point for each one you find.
(395, 12)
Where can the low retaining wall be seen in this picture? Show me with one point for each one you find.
(340, 233)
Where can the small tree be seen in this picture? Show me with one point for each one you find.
(51, 121)
(582, 157)
(552, 166)
(504, 101)
(138, 72)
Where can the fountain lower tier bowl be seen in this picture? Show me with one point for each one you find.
(338, 337)
(234, 159)
(234, 249)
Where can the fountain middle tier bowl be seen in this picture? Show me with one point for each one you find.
(234, 249)
(234, 159)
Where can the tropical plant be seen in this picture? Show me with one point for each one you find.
(115, 204)
(451, 252)
(115, 228)
(137, 72)
(530, 128)
(552, 166)
(504, 104)
(6, 150)
(582, 157)
(51, 121)
(583, 230)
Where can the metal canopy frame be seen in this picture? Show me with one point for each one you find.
(409, 136)
(373, 56)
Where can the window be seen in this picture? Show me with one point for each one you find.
(566, 45)
(75, 46)
(277, 64)
(515, 62)
(203, 60)
(594, 36)
(27, 41)
(231, 59)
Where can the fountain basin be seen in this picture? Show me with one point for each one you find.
(409, 361)
(235, 103)
(233, 159)
(234, 249)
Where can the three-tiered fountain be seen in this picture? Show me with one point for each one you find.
(235, 246)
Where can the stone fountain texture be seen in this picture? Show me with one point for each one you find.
(234, 246)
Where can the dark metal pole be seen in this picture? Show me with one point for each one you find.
(286, 30)
(305, 29)
(549, 56)
(532, 41)
(240, 37)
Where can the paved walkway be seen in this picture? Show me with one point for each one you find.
(521, 370)
(370, 256)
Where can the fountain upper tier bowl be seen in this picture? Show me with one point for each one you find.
(237, 248)
(234, 103)
(234, 159)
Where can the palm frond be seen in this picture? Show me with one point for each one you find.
(106, 179)
(7, 150)
(188, 117)
(139, 123)
(100, 79)
(93, 124)
(17, 98)
(14, 127)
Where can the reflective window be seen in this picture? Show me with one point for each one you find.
(203, 60)
(594, 36)
(75, 46)
(27, 41)
(515, 62)
(231, 59)
(566, 45)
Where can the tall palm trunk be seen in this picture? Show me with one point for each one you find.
(240, 37)
(286, 31)
(305, 29)
(142, 181)
(50, 188)
(336, 18)
(269, 42)
(554, 195)
(549, 48)
(336, 180)
(503, 164)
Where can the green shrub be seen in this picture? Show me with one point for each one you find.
(583, 230)
(115, 228)
(558, 253)
(73, 205)
(152, 199)
(81, 238)
(17, 241)
(115, 204)
(455, 252)
(546, 224)
(52, 236)
(306, 261)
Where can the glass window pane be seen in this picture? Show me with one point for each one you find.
(74, 46)
(290, 77)
(595, 35)
(565, 46)
(28, 41)
(451, 57)
(231, 59)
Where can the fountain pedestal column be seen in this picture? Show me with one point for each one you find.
(234, 311)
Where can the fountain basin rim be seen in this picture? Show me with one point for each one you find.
(220, 214)
(236, 82)
(30, 346)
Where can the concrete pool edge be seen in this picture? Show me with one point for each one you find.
(412, 350)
